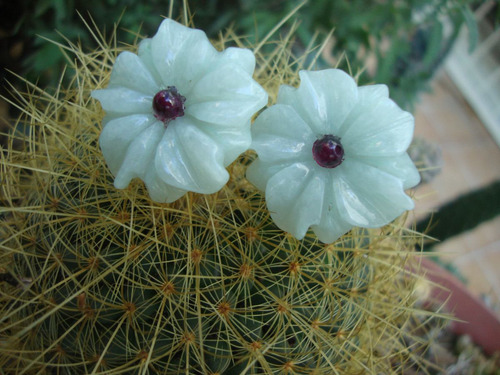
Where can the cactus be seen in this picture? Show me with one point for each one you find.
(105, 281)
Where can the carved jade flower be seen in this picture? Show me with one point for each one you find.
(332, 155)
(178, 112)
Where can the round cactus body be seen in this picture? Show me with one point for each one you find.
(107, 281)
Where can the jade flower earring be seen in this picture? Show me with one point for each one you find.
(332, 155)
(178, 112)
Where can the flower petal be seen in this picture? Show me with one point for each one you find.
(279, 133)
(367, 196)
(145, 54)
(323, 99)
(129, 71)
(159, 191)
(168, 41)
(376, 126)
(117, 135)
(375, 91)
(123, 100)
(259, 172)
(332, 226)
(227, 96)
(238, 56)
(400, 166)
(181, 54)
(233, 141)
(189, 159)
(294, 197)
(192, 63)
(139, 157)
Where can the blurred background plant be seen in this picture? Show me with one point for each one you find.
(399, 43)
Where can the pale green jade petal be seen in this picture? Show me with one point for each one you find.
(117, 135)
(294, 198)
(367, 96)
(410, 174)
(372, 91)
(188, 159)
(140, 155)
(239, 56)
(129, 71)
(259, 172)
(233, 141)
(377, 127)
(279, 133)
(226, 96)
(146, 56)
(193, 61)
(110, 116)
(331, 225)
(123, 100)
(159, 191)
(400, 166)
(331, 228)
(323, 99)
(367, 196)
(171, 40)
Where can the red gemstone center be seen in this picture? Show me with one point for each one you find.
(328, 151)
(168, 104)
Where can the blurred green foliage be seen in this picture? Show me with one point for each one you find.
(464, 213)
(400, 42)
(404, 40)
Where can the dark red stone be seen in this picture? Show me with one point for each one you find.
(168, 104)
(328, 151)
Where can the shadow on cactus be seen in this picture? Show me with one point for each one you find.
(106, 281)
